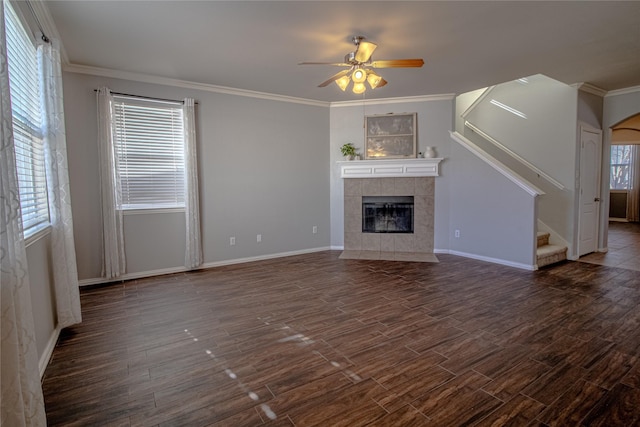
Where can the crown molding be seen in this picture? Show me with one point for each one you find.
(401, 100)
(589, 88)
(165, 81)
(625, 91)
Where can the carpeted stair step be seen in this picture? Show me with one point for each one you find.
(550, 254)
(543, 238)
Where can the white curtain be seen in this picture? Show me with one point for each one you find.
(21, 398)
(633, 210)
(63, 252)
(112, 226)
(193, 253)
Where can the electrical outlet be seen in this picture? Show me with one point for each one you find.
(259, 238)
(315, 229)
(232, 241)
(457, 233)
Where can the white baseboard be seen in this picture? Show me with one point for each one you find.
(48, 351)
(263, 257)
(160, 272)
(530, 267)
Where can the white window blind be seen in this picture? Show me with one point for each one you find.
(24, 85)
(149, 142)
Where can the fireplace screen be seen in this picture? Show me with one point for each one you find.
(387, 214)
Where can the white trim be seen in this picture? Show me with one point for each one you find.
(530, 267)
(151, 211)
(513, 154)
(477, 101)
(612, 219)
(401, 100)
(165, 81)
(491, 161)
(263, 257)
(390, 168)
(160, 272)
(41, 232)
(589, 88)
(48, 351)
(625, 91)
(131, 276)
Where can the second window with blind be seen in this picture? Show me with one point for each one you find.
(148, 138)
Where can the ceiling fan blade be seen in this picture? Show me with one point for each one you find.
(365, 50)
(335, 77)
(398, 63)
(382, 83)
(338, 64)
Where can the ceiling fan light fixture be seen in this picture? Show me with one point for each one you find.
(359, 75)
(373, 79)
(343, 82)
(359, 88)
(359, 67)
(364, 50)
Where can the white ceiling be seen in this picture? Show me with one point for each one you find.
(257, 45)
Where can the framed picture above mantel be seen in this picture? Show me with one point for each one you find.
(390, 136)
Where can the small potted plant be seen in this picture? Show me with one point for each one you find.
(348, 150)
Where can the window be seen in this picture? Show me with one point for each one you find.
(149, 144)
(621, 164)
(24, 83)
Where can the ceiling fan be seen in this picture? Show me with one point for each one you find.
(361, 67)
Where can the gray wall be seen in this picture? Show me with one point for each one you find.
(435, 117)
(43, 303)
(617, 107)
(590, 108)
(262, 170)
(546, 138)
(495, 217)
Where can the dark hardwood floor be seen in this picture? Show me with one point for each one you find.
(315, 340)
(623, 247)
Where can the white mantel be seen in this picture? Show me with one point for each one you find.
(390, 168)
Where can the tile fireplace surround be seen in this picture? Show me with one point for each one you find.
(417, 246)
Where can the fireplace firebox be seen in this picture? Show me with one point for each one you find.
(387, 214)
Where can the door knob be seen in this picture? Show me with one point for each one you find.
(597, 199)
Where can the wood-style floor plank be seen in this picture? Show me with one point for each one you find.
(313, 340)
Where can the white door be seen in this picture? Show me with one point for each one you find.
(590, 166)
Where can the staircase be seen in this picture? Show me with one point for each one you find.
(548, 254)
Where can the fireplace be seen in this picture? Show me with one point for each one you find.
(407, 234)
(387, 214)
(400, 238)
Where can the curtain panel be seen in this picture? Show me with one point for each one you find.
(193, 250)
(114, 261)
(633, 209)
(21, 400)
(63, 253)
